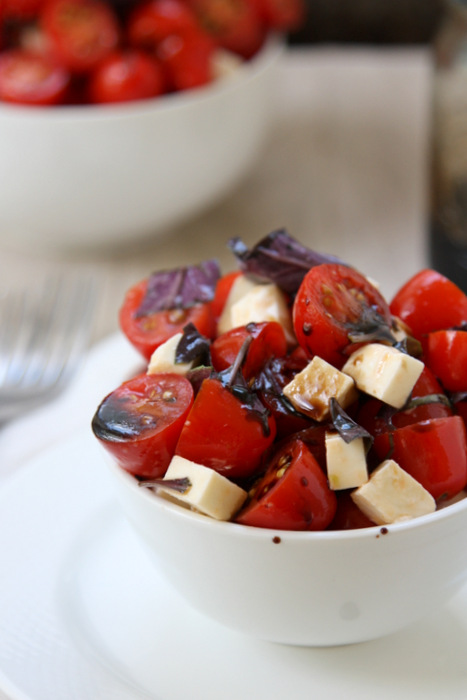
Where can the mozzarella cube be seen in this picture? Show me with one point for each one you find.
(392, 495)
(209, 493)
(163, 358)
(384, 372)
(241, 286)
(345, 462)
(312, 389)
(265, 302)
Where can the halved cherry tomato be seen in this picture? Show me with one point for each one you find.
(223, 288)
(125, 76)
(434, 452)
(268, 340)
(30, 78)
(81, 32)
(293, 494)
(221, 432)
(332, 303)
(139, 423)
(146, 333)
(234, 24)
(282, 15)
(429, 302)
(348, 515)
(152, 21)
(446, 354)
(187, 60)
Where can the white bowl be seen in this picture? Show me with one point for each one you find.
(302, 588)
(96, 176)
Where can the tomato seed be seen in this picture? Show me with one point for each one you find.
(169, 397)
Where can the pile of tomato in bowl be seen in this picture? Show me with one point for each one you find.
(104, 51)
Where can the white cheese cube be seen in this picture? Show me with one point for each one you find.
(392, 495)
(239, 289)
(209, 493)
(163, 358)
(384, 372)
(345, 462)
(312, 389)
(265, 302)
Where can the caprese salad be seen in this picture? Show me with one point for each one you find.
(289, 394)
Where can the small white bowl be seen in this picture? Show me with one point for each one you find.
(100, 176)
(302, 588)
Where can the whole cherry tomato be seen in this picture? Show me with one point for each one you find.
(234, 24)
(81, 32)
(268, 340)
(333, 304)
(433, 451)
(139, 423)
(222, 432)
(150, 22)
(429, 302)
(124, 76)
(293, 494)
(146, 333)
(21, 9)
(446, 354)
(282, 15)
(348, 515)
(30, 78)
(187, 60)
(223, 288)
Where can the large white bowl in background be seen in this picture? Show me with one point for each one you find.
(302, 588)
(99, 176)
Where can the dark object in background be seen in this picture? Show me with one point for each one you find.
(370, 22)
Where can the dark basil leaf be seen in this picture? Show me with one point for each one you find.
(370, 327)
(197, 375)
(181, 485)
(458, 396)
(425, 400)
(278, 258)
(347, 428)
(180, 288)
(193, 347)
(410, 346)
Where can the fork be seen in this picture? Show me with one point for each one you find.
(42, 338)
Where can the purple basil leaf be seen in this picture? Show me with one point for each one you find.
(278, 258)
(193, 347)
(347, 428)
(180, 288)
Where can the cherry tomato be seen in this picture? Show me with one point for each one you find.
(282, 15)
(461, 409)
(429, 302)
(268, 340)
(21, 9)
(348, 515)
(146, 333)
(434, 452)
(31, 79)
(446, 354)
(223, 288)
(81, 32)
(293, 494)
(125, 76)
(222, 433)
(332, 302)
(139, 423)
(187, 60)
(151, 22)
(234, 24)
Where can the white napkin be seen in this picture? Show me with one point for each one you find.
(102, 370)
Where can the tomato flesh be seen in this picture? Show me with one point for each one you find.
(429, 302)
(146, 333)
(434, 452)
(221, 433)
(333, 302)
(293, 494)
(139, 423)
(446, 354)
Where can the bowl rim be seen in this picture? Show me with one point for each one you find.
(247, 71)
(422, 522)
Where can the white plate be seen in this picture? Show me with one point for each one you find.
(84, 615)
